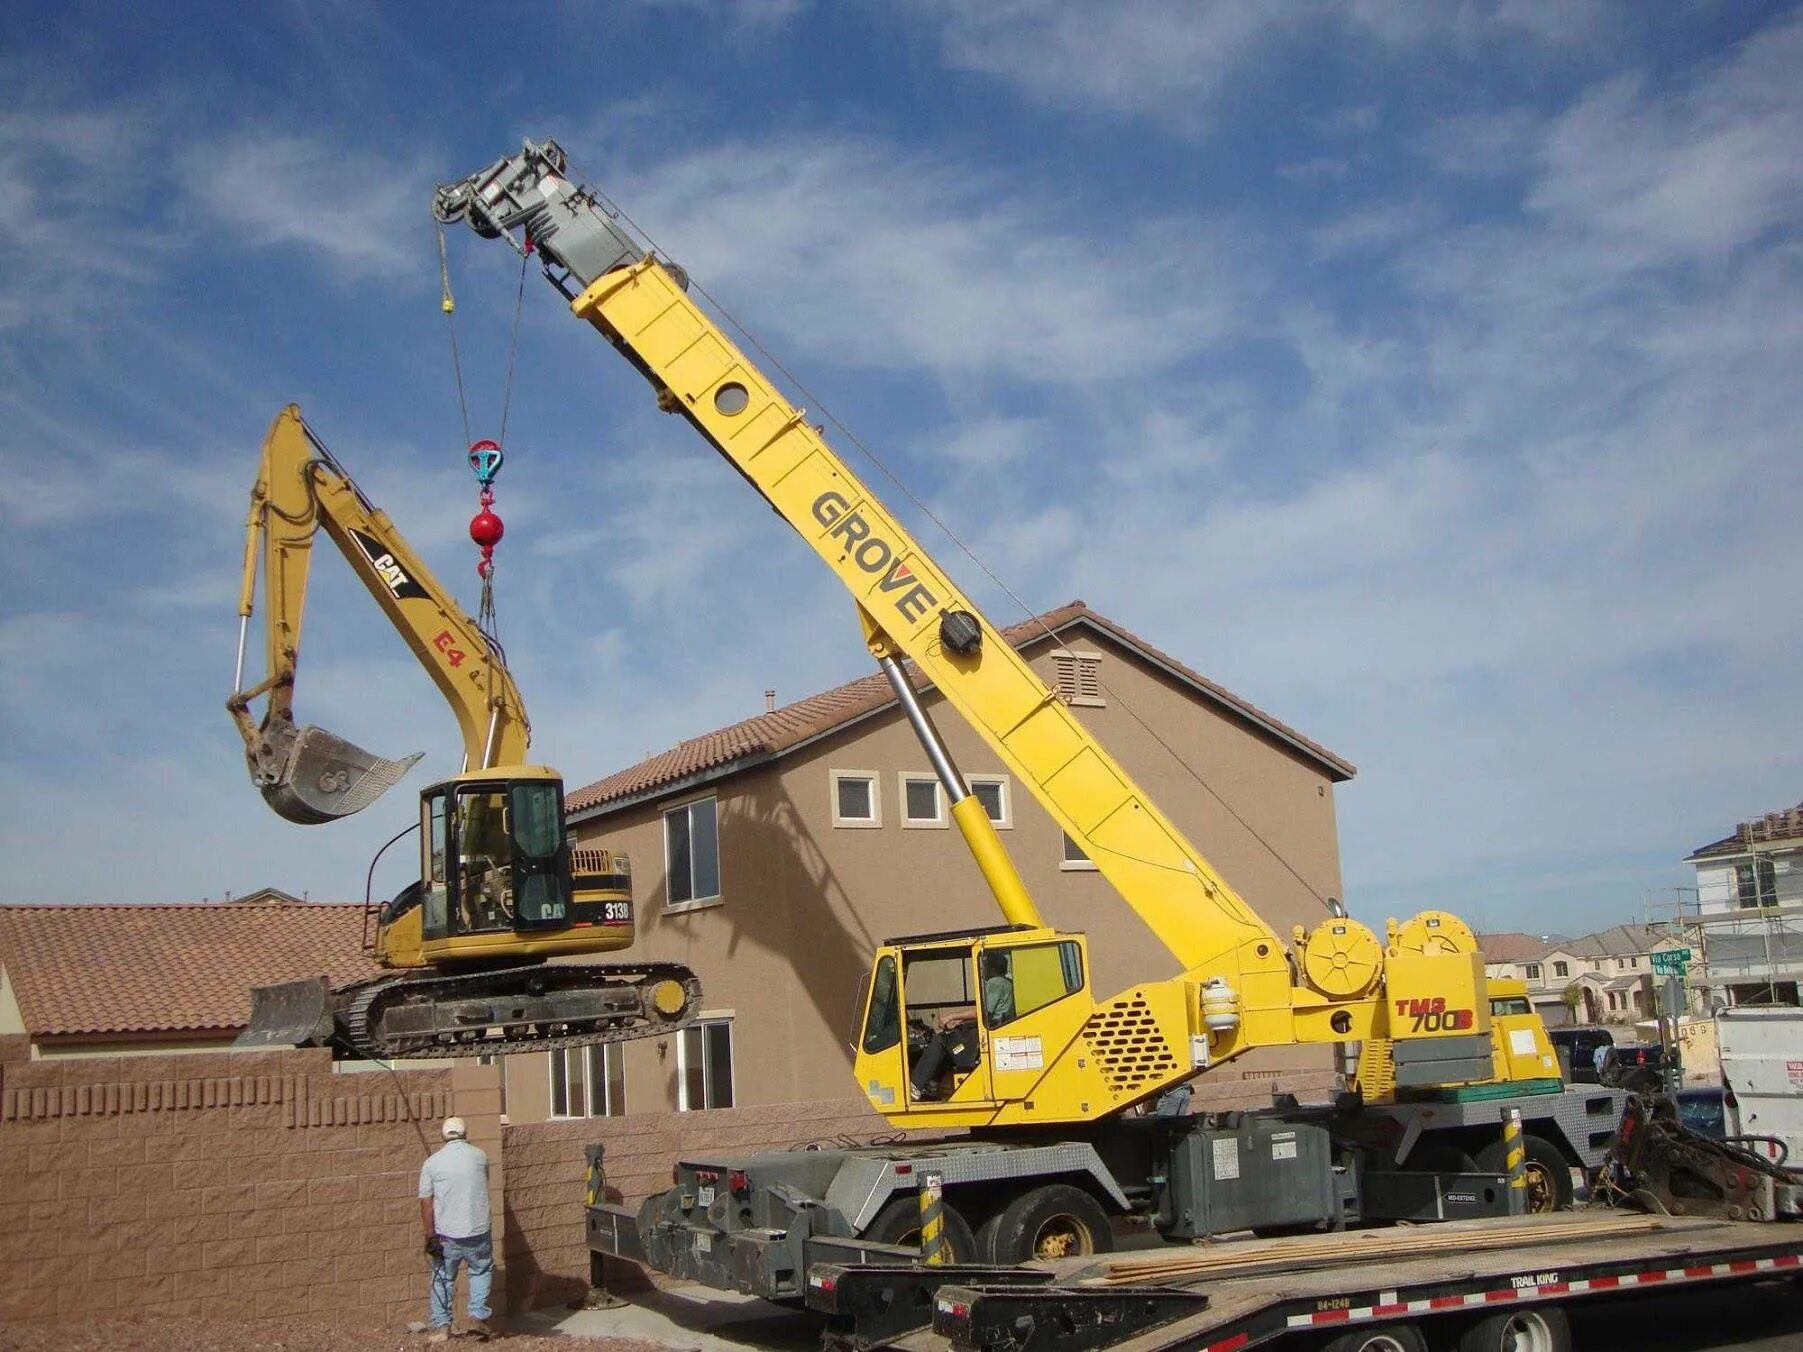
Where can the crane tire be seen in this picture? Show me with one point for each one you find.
(1388, 1338)
(1534, 1328)
(899, 1223)
(1549, 1172)
(1055, 1220)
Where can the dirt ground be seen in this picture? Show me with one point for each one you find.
(212, 1335)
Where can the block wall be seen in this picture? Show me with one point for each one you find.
(245, 1186)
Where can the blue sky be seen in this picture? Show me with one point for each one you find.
(1425, 373)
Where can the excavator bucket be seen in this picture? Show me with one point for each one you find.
(293, 1014)
(309, 775)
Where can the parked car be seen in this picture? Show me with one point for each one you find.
(1577, 1051)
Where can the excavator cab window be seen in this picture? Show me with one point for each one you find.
(483, 891)
(434, 834)
(541, 867)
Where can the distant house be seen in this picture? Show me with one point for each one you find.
(116, 980)
(773, 854)
(1605, 977)
(1748, 928)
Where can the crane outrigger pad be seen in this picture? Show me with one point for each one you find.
(309, 775)
(415, 1015)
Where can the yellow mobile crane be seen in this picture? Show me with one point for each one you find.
(500, 889)
(1059, 1073)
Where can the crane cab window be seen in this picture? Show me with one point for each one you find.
(940, 1013)
(882, 1016)
(1020, 981)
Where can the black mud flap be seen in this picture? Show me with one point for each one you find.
(293, 1014)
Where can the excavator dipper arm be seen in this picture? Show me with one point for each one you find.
(309, 775)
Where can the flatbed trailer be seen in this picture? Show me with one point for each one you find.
(1494, 1284)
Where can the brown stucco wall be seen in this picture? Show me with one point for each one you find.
(804, 902)
(245, 1186)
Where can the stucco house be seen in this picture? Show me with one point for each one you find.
(773, 854)
(1749, 921)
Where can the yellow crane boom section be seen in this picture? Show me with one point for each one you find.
(902, 594)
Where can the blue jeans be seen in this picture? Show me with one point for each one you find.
(478, 1252)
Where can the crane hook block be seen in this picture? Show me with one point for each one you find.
(485, 461)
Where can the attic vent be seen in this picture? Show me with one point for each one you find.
(1079, 678)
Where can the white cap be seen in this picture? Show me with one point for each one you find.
(453, 1126)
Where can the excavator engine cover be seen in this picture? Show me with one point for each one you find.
(309, 775)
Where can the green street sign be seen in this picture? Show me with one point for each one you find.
(1671, 962)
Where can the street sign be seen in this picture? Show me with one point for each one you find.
(1671, 961)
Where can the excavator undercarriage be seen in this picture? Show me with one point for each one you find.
(496, 1011)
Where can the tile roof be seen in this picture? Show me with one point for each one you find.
(1784, 825)
(1511, 947)
(753, 741)
(155, 969)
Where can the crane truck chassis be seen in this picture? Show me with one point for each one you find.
(758, 1223)
(1708, 1213)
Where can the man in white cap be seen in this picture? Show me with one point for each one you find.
(453, 1206)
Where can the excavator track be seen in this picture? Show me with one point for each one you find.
(533, 1007)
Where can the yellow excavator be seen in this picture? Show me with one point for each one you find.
(500, 889)
(1048, 1051)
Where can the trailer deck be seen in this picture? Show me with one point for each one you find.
(1241, 1294)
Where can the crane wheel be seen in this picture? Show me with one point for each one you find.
(1053, 1221)
(1548, 1174)
(899, 1223)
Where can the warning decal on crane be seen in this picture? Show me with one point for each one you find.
(1019, 1053)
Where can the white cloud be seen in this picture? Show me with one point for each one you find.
(359, 212)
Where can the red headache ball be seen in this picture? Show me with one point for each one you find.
(486, 529)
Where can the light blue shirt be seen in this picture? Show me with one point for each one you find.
(456, 1179)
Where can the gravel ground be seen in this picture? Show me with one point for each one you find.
(214, 1335)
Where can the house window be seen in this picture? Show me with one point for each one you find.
(1074, 860)
(1533, 971)
(692, 852)
(588, 1081)
(992, 792)
(855, 798)
(1079, 678)
(1614, 1002)
(1756, 884)
(704, 1066)
(922, 802)
(1561, 969)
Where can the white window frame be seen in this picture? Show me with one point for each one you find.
(702, 1020)
(1561, 971)
(903, 778)
(719, 895)
(1532, 972)
(1006, 821)
(607, 1049)
(871, 823)
(1072, 865)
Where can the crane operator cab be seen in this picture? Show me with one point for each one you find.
(496, 867)
(967, 1020)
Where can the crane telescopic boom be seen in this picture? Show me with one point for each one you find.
(1055, 1053)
